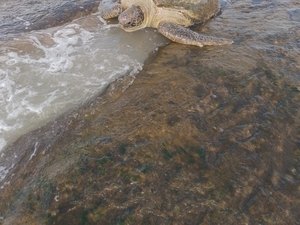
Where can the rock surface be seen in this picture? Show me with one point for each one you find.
(17, 16)
(201, 136)
(178, 146)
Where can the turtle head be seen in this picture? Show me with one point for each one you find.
(132, 18)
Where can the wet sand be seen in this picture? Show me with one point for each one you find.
(200, 136)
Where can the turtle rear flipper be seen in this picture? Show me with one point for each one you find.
(183, 35)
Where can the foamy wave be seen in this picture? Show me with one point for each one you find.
(6, 87)
(59, 56)
(46, 72)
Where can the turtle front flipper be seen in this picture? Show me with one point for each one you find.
(110, 11)
(186, 36)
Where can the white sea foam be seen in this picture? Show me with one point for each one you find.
(34, 151)
(45, 73)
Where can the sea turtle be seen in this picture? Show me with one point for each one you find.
(170, 17)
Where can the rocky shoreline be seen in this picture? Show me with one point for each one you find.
(35, 15)
(176, 146)
(200, 136)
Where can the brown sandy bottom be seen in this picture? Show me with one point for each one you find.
(200, 136)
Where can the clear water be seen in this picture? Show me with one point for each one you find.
(44, 73)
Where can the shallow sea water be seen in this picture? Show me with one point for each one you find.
(210, 131)
(46, 72)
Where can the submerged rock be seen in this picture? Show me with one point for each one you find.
(294, 14)
(161, 153)
(26, 15)
(200, 137)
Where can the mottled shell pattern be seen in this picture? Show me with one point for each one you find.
(199, 10)
(181, 12)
